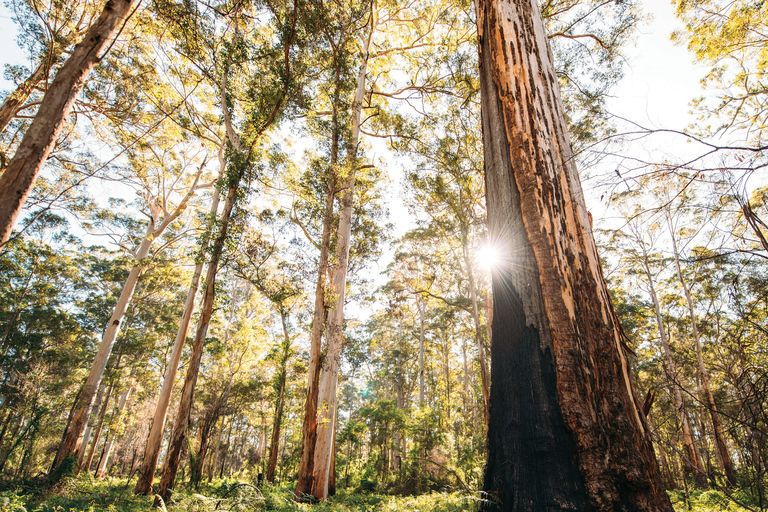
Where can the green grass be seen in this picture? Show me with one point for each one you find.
(84, 493)
(113, 495)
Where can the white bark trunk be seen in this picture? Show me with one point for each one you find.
(326, 423)
(155, 437)
(101, 471)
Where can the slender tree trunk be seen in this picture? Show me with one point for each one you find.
(689, 444)
(328, 380)
(86, 466)
(88, 430)
(101, 471)
(565, 430)
(478, 329)
(306, 472)
(20, 175)
(275, 440)
(155, 436)
(721, 448)
(420, 304)
(178, 437)
(71, 440)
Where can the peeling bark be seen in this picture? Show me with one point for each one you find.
(565, 429)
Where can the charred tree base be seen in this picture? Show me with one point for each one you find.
(532, 464)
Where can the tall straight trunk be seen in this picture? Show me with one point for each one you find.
(275, 440)
(86, 466)
(160, 219)
(155, 436)
(565, 429)
(689, 443)
(306, 471)
(178, 437)
(71, 439)
(101, 471)
(89, 429)
(478, 329)
(20, 175)
(327, 392)
(420, 304)
(721, 449)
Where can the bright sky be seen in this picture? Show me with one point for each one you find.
(661, 80)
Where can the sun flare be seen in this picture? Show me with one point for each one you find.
(488, 256)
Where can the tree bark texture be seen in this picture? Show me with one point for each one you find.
(565, 431)
(326, 414)
(37, 143)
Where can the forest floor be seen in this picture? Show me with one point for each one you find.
(116, 495)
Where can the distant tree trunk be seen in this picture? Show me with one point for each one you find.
(88, 430)
(565, 430)
(101, 471)
(689, 444)
(420, 304)
(20, 175)
(275, 440)
(478, 329)
(721, 449)
(86, 466)
(155, 436)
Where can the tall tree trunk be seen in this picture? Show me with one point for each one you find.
(275, 440)
(721, 449)
(86, 466)
(71, 439)
(327, 392)
(689, 444)
(178, 437)
(101, 471)
(155, 436)
(20, 175)
(565, 430)
(89, 429)
(306, 472)
(420, 304)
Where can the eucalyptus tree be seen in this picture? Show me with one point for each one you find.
(164, 200)
(272, 84)
(48, 30)
(584, 441)
(33, 150)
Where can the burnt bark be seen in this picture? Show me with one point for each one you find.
(565, 430)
